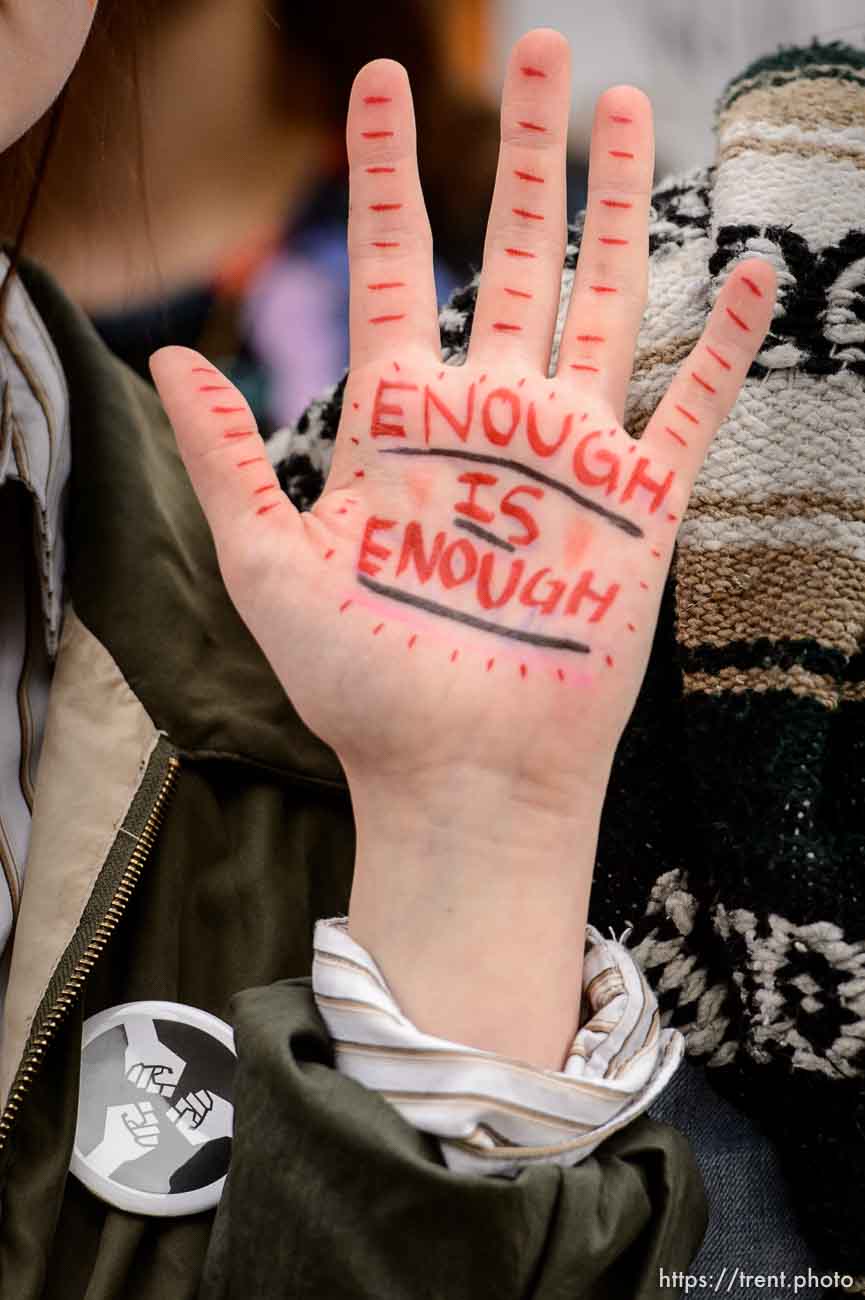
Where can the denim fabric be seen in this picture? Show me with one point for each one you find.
(752, 1224)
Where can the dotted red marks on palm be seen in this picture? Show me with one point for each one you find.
(689, 415)
(560, 674)
(490, 665)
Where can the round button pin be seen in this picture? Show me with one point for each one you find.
(155, 1108)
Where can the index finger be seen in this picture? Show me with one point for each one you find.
(393, 298)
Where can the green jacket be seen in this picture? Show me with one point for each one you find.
(188, 831)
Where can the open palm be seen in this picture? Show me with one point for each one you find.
(479, 583)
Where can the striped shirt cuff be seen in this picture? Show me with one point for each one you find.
(490, 1113)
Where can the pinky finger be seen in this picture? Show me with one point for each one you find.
(709, 380)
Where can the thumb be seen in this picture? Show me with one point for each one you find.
(221, 447)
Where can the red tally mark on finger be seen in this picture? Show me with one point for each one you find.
(529, 176)
(268, 487)
(505, 328)
(227, 410)
(386, 284)
(673, 434)
(590, 338)
(672, 518)
(616, 203)
(608, 660)
(602, 288)
(385, 320)
(631, 627)
(355, 406)
(359, 473)
(253, 460)
(385, 243)
(529, 216)
(263, 510)
(385, 207)
(657, 554)
(238, 433)
(380, 171)
(619, 153)
(689, 415)
(518, 293)
(378, 627)
(483, 379)
(523, 671)
(377, 99)
(440, 375)
(532, 126)
(702, 382)
(532, 72)
(396, 366)
(329, 553)
(518, 252)
(344, 606)
(356, 441)
(215, 388)
(205, 370)
(520, 383)
(560, 674)
(589, 369)
(412, 641)
(620, 118)
(720, 360)
(753, 286)
(737, 320)
(490, 663)
(607, 239)
(455, 654)
(645, 586)
(376, 135)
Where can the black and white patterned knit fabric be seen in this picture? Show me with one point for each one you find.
(733, 837)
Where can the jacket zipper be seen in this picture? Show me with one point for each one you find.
(123, 890)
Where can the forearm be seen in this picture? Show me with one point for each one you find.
(472, 895)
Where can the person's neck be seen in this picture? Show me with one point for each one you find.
(220, 160)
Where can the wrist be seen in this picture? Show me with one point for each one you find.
(471, 893)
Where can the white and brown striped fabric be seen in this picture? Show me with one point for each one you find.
(34, 472)
(492, 1114)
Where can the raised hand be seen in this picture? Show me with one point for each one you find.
(131, 1132)
(202, 1116)
(467, 612)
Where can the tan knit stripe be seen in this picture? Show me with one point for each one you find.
(708, 504)
(671, 353)
(781, 76)
(736, 681)
(825, 101)
(799, 148)
(733, 594)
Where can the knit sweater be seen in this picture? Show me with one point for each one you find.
(733, 838)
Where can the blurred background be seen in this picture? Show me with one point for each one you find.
(190, 186)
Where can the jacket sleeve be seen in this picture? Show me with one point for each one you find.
(332, 1195)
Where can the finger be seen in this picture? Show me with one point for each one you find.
(393, 297)
(171, 1114)
(518, 296)
(134, 1074)
(221, 448)
(610, 284)
(707, 384)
